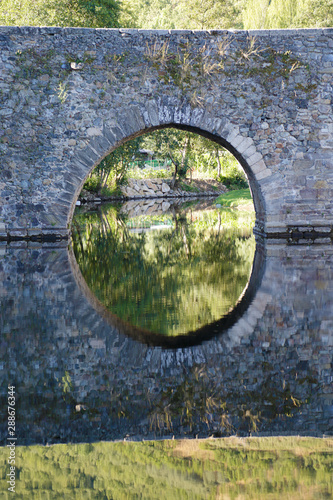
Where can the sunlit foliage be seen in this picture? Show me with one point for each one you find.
(184, 155)
(223, 14)
(277, 14)
(86, 13)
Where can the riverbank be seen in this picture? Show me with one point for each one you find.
(252, 468)
(238, 198)
(159, 188)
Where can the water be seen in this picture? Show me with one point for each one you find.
(81, 374)
(168, 273)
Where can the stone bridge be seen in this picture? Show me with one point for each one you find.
(69, 96)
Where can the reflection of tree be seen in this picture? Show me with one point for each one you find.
(181, 227)
(169, 281)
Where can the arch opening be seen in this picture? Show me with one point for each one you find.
(151, 336)
(99, 153)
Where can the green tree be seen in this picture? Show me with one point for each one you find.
(113, 169)
(279, 14)
(173, 145)
(166, 281)
(209, 14)
(181, 14)
(189, 152)
(86, 13)
(316, 14)
(149, 14)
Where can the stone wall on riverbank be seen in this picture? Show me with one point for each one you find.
(161, 188)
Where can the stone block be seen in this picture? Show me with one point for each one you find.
(165, 113)
(244, 145)
(263, 174)
(259, 166)
(254, 159)
(97, 343)
(251, 150)
(183, 114)
(236, 141)
(232, 135)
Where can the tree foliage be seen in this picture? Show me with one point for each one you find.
(75, 13)
(190, 152)
(181, 14)
(174, 14)
(251, 468)
(280, 14)
(184, 152)
(113, 169)
(225, 14)
(173, 146)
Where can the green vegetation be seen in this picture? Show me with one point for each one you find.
(181, 14)
(175, 14)
(171, 281)
(236, 198)
(251, 468)
(277, 14)
(184, 153)
(90, 14)
(148, 173)
(225, 14)
(112, 172)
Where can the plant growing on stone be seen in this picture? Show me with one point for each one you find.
(266, 64)
(62, 92)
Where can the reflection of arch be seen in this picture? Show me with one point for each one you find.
(207, 332)
(139, 119)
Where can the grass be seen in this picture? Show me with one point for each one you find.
(236, 198)
(187, 187)
(230, 468)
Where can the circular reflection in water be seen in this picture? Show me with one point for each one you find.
(168, 275)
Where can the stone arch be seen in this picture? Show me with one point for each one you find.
(163, 113)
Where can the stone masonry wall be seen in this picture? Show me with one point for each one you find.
(160, 188)
(69, 96)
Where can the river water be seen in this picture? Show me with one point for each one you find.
(162, 323)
